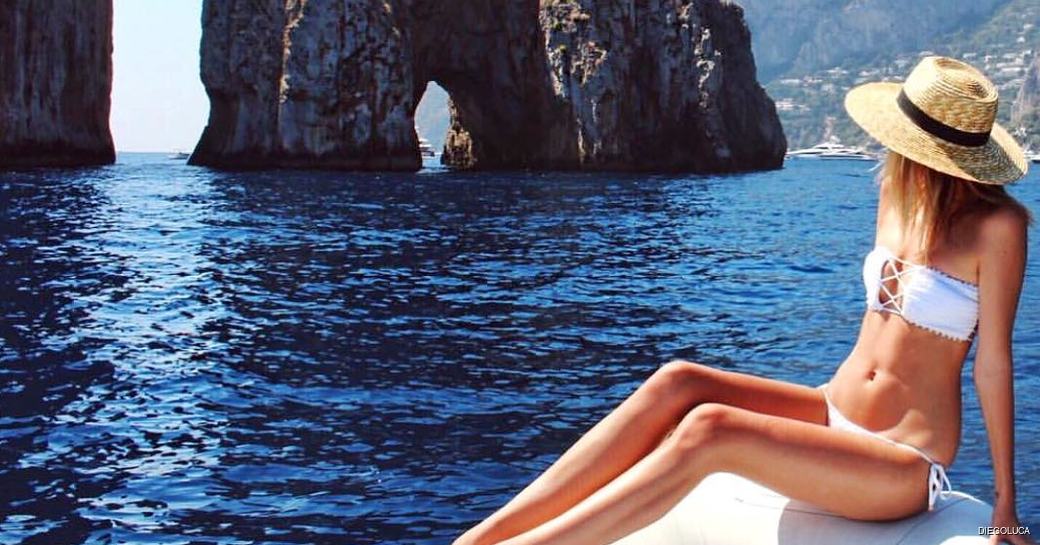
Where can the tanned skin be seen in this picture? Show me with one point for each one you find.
(689, 420)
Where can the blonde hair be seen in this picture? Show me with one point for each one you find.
(933, 201)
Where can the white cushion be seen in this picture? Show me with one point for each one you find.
(727, 509)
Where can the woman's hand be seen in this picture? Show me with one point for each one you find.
(1005, 519)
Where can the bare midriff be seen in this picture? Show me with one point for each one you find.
(904, 383)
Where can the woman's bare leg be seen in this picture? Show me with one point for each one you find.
(631, 431)
(853, 475)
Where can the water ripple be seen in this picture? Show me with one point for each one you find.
(189, 356)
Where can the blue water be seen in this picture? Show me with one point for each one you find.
(191, 356)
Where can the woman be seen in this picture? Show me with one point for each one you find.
(947, 267)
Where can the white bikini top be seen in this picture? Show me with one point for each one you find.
(924, 296)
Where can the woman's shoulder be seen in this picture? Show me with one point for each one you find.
(1001, 233)
(1003, 224)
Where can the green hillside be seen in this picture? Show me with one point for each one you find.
(1002, 46)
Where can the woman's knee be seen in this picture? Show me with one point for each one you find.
(705, 426)
(678, 377)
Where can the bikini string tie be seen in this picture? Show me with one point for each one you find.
(938, 485)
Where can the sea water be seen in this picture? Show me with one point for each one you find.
(195, 356)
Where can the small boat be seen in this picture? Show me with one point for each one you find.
(179, 155)
(855, 154)
(425, 149)
(832, 150)
(1032, 156)
(728, 509)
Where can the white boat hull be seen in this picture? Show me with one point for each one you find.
(834, 156)
(726, 509)
(831, 150)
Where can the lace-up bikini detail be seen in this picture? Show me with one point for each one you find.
(892, 302)
(924, 296)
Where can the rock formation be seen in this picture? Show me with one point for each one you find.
(55, 82)
(665, 84)
(608, 84)
(306, 83)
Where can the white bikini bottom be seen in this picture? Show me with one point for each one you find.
(937, 479)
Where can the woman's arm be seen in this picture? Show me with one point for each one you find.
(1002, 259)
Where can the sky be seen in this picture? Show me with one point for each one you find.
(158, 102)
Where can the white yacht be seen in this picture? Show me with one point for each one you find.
(832, 150)
(425, 149)
(1032, 156)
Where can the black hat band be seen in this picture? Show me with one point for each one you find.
(937, 128)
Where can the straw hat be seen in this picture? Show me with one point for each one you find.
(942, 116)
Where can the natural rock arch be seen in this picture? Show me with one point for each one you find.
(665, 85)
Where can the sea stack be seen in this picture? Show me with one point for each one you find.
(665, 85)
(55, 83)
(659, 85)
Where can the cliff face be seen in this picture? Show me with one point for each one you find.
(806, 35)
(809, 53)
(668, 85)
(55, 83)
(1025, 111)
(306, 83)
